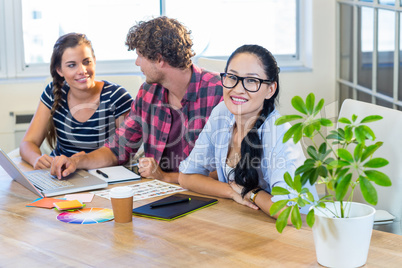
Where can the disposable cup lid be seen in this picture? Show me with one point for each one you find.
(121, 192)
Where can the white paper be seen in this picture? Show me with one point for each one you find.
(115, 174)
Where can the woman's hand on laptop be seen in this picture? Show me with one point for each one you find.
(42, 162)
(62, 166)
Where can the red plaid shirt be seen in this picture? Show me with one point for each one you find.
(150, 119)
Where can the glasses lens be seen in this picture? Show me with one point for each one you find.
(229, 80)
(251, 84)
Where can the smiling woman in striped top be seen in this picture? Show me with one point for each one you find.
(76, 113)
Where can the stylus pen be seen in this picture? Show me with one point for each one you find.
(102, 173)
(170, 203)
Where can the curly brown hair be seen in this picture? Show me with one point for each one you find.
(162, 36)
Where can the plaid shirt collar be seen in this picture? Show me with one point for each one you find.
(192, 92)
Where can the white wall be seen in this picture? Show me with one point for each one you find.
(23, 95)
(322, 79)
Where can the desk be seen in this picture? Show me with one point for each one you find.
(224, 235)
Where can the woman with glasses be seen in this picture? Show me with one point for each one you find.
(240, 140)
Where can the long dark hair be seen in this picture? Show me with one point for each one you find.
(246, 170)
(64, 42)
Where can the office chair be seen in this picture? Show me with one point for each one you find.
(389, 131)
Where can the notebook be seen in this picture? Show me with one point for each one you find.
(45, 185)
(174, 211)
(115, 174)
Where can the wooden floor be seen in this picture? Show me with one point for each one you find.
(224, 235)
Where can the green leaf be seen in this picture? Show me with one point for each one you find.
(297, 184)
(277, 206)
(312, 152)
(323, 148)
(282, 220)
(371, 118)
(360, 134)
(334, 136)
(326, 122)
(318, 108)
(296, 218)
(310, 196)
(376, 163)
(308, 130)
(310, 219)
(304, 168)
(298, 134)
(354, 117)
(368, 191)
(368, 132)
(358, 152)
(343, 186)
(378, 177)
(325, 199)
(348, 133)
(310, 175)
(304, 190)
(345, 155)
(300, 202)
(344, 120)
(322, 171)
(370, 150)
(317, 125)
(277, 190)
(287, 118)
(288, 179)
(310, 101)
(291, 131)
(298, 104)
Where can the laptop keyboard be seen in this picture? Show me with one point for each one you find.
(45, 181)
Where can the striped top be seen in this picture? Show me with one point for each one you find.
(74, 136)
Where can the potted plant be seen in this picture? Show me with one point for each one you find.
(342, 160)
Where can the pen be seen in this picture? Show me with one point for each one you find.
(102, 173)
(170, 203)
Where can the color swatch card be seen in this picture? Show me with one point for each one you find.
(87, 216)
(148, 189)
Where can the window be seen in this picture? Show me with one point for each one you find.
(218, 27)
(2, 43)
(370, 38)
(230, 23)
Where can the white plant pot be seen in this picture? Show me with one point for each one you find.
(343, 242)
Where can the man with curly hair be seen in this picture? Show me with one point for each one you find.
(170, 109)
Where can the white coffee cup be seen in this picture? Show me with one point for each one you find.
(122, 203)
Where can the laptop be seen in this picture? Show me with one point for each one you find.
(45, 185)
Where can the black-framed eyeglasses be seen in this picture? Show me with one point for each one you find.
(251, 84)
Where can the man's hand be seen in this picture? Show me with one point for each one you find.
(149, 168)
(63, 166)
(43, 161)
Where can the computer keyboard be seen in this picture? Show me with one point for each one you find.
(45, 181)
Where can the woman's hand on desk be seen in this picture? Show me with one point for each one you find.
(42, 162)
(237, 189)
